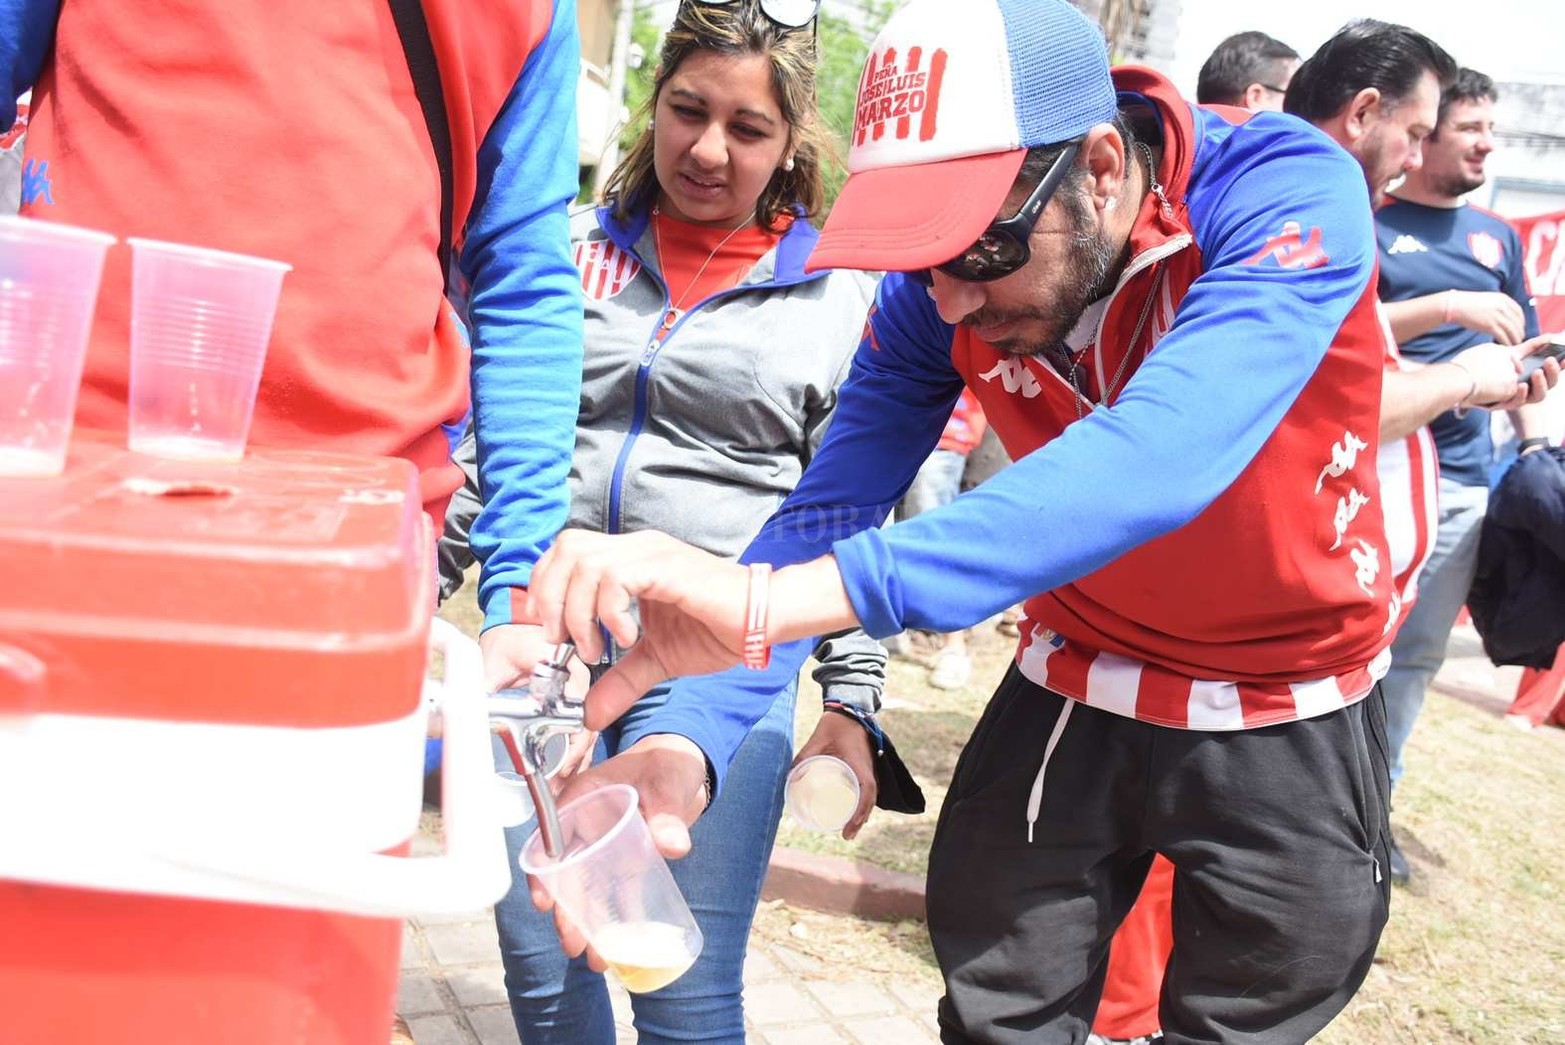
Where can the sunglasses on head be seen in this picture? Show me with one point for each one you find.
(790, 14)
(1002, 248)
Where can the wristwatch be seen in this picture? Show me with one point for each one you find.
(1535, 443)
(709, 785)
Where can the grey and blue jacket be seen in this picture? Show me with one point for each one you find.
(702, 434)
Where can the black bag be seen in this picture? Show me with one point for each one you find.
(895, 789)
(1518, 593)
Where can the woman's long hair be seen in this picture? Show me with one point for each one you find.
(738, 29)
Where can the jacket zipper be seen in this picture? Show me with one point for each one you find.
(1140, 263)
(639, 412)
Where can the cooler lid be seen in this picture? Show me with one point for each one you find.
(289, 588)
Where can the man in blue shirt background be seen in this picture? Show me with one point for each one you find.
(1451, 277)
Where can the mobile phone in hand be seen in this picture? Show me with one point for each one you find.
(1553, 350)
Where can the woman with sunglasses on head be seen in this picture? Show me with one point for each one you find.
(711, 366)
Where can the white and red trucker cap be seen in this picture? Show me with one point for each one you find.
(953, 95)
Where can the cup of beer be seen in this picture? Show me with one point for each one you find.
(614, 885)
(822, 793)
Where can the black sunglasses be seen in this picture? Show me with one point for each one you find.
(1002, 248)
(790, 14)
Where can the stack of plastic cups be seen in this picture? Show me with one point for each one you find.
(49, 278)
(200, 323)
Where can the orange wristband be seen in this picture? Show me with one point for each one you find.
(757, 654)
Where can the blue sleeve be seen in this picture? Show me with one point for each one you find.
(1516, 284)
(902, 371)
(26, 34)
(526, 313)
(1246, 338)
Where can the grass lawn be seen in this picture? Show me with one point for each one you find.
(1476, 947)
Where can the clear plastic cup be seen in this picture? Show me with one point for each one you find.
(822, 793)
(614, 885)
(199, 324)
(49, 278)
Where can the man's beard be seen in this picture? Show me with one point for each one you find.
(1456, 184)
(1370, 161)
(1080, 280)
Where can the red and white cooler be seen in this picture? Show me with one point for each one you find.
(213, 704)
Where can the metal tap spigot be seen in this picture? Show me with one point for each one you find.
(534, 723)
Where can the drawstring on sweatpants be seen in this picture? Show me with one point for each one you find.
(1035, 798)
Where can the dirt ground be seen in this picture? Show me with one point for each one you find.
(1476, 945)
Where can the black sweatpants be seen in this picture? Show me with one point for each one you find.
(1278, 839)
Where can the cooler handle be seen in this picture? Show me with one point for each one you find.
(473, 873)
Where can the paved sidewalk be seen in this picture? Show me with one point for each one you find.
(453, 993)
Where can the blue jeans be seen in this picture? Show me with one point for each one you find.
(559, 1001)
(936, 485)
(1419, 648)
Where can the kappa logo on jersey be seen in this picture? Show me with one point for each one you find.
(1396, 612)
(460, 328)
(1014, 377)
(605, 268)
(1291, 249)
(1366, 562)
(1347, 510)
(1344, 456)
(896, 94)
(1487, 251)
(36, 186)
(1406, 244)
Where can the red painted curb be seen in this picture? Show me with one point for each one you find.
(838, 886)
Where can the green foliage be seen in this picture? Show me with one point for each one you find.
(647, 37)
(843, 46)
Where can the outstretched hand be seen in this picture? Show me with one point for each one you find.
(691, 606)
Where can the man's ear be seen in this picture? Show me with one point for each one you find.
(1107, 165)
(1362, 113)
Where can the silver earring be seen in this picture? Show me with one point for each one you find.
(649, 123)
(1111, 203)
(788, 164)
